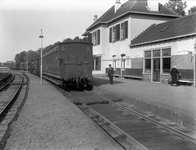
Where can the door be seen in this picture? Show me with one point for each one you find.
(156, 69)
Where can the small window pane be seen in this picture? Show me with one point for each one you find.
(156, 53)
(166, 52)
(147, 54)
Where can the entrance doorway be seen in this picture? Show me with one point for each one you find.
(156, 69)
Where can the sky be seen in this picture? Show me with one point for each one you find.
(21, 22)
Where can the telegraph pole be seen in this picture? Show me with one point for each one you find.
(41, 36)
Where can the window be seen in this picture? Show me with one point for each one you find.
(156, 53)
(124, 30)
(114, 34)
(118, 32)
(97, 63)
(110, 35)
(147, 61)
(123, 63)
(166, 58)
(96, 37)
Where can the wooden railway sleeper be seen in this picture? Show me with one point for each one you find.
(121, 137)
(121, 134)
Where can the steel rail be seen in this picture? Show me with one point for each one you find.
(1, 88)
(9, 103)
(174, 131)
(130, 139)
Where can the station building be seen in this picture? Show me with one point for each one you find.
(143, 39)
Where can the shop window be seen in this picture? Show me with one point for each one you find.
(166, 58)
(147, 61)
(166, 65)
(147, 65)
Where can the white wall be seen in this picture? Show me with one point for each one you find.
(136, 25)
(140, 23)
(177, 47)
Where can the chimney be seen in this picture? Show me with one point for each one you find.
(117, 5)
(95, 18)
(153, 5)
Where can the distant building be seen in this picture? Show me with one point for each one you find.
(164, 45)
(9, 64)
(142, 38)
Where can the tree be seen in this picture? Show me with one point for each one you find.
(23, 56)
(20, 57)
(67, 40)
(177, 6)
(77, 39)
(31, 55)
(192, 10)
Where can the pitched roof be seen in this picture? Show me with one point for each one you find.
(181, 27)
(131, 7)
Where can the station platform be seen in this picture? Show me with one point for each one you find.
(48, 120)
(176, 103)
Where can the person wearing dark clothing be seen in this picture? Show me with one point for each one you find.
(174, 75)
(111, 74)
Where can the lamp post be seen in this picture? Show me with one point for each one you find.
(27, 61)
(41, 36)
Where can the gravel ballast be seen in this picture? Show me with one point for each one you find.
(49, 121)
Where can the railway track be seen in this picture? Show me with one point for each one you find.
(12, 95)
(131, 129)
(5, 81)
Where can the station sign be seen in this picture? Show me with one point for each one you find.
(182, 51)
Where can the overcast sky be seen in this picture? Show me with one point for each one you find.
(21, 22)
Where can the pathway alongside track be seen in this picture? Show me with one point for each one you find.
(49, 120)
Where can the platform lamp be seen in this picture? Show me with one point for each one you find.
(122, 55)
(41, 36)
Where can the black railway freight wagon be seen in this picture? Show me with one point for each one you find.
(70, 63)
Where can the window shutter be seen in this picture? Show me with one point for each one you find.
(98, 37)
(90, 37)
(117, 32)
(126, 29)
(110, 36)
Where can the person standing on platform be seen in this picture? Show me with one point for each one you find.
(174, 76)
(110, 73)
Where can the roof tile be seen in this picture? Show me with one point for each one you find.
(168, 30)
(131, 6)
